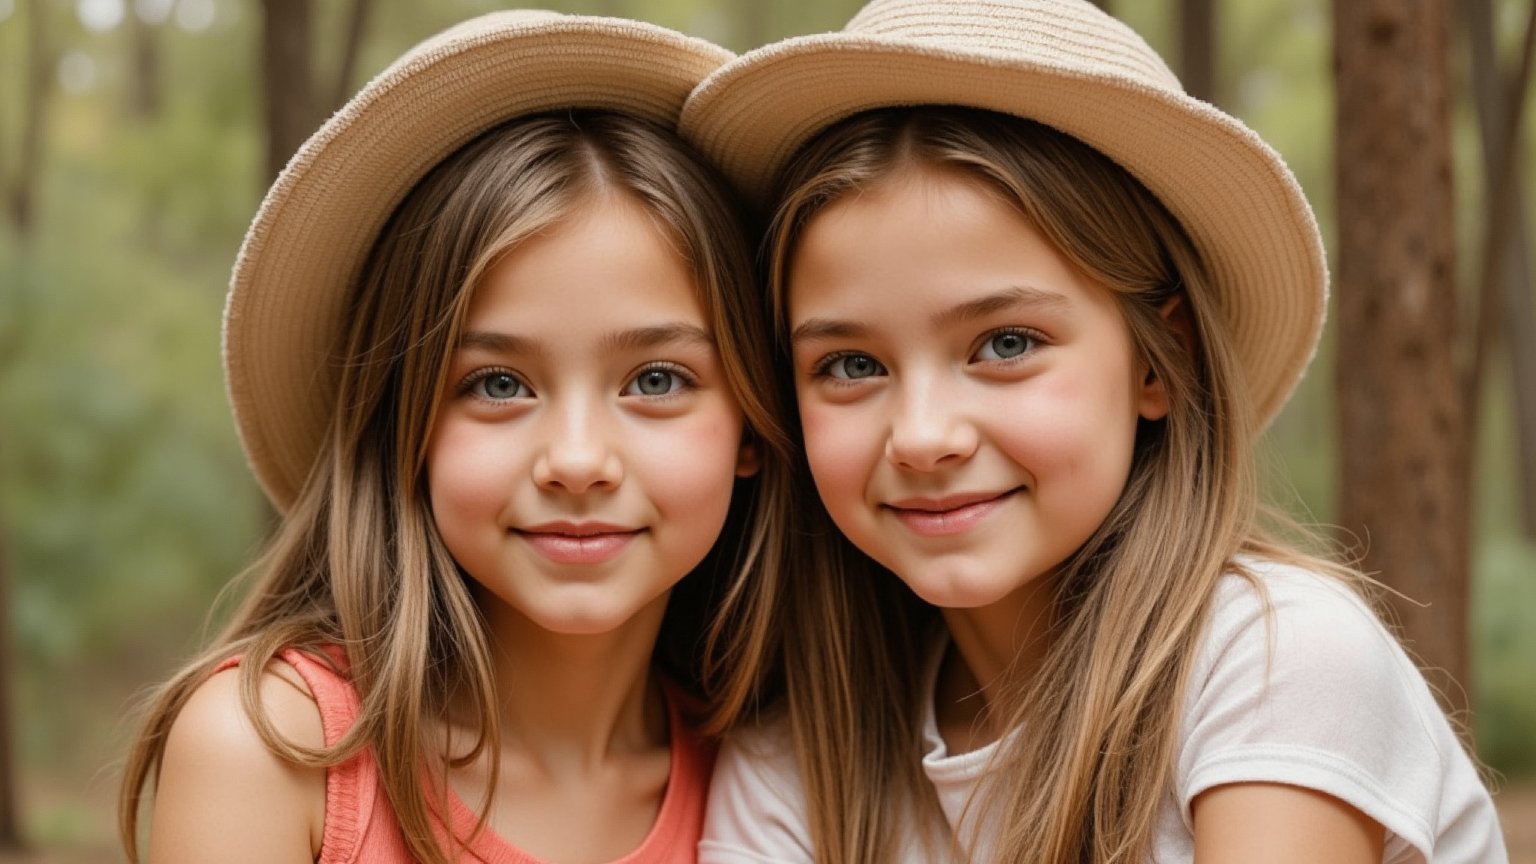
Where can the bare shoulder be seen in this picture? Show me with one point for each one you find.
(222, 794)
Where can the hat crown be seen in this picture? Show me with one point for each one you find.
(1070, 34)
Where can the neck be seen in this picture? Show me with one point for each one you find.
(997, 646)
(574, 701)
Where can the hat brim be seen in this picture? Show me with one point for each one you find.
(1232, 193)
(318, 221)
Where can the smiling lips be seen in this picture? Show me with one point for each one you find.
(578, 543)
(952, 514)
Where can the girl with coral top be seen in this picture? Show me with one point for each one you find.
(490, 346)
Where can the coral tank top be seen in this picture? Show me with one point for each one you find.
(360, 826)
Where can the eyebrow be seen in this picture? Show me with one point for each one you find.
(625, 340)
(498, 343)
(652, 337)
(1018, 296)
(1014, 297)
(826, 328)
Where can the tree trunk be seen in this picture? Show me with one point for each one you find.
(357, 26)
(1505, 300)
(10, 807)
(756, 25)
(144, 89)
(288, 93)
(1197, 48)
(1404, 443)
(22, 196)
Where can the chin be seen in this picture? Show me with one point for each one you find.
(580, 621)
(959, 587)
(957, 591)
(951, 596)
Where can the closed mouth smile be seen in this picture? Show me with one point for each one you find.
(578, 543)
(950, 514)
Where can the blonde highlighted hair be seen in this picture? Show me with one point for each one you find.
(357, 561)
(1103, 710)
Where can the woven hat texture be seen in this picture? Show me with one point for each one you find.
(309, 239)
(1069, 65)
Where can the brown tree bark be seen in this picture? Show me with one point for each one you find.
(11, 839)
(358, 16)
(1404, 443)
(288, 90)
(1197, 48)
(756, 25)
(144, 84)
(21, 197)
(1505, 305)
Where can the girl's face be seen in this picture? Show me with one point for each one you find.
(969, 399)
(585, 450)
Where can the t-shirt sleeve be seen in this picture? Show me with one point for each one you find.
(756, 812)
(1311, 690)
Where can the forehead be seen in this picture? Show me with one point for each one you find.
(940, 230)
(607, 260)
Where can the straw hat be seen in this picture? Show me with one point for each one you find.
(308, 241)
(1066, 64)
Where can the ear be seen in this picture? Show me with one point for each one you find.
(749, 460)
(1153, 401)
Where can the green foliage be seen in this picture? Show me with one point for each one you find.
(1504, 651)
(123, 495)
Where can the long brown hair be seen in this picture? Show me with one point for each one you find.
(357, 561)
(1086, 782)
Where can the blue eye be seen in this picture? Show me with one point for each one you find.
(853, 367)
(498, 386)
(656, 381)
(1005, 345)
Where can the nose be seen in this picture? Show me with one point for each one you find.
(929, 429)
(578, 454)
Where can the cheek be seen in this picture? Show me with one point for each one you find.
(462, 467)
(468, 487)
(1078, 444)
(838, 448)
(690, 467)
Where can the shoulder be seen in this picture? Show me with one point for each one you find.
(1300, 616)
(1282, 641)
(222, 793)
(1298, 682)
(757, 808)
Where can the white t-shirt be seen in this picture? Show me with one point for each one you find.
(1322, 697)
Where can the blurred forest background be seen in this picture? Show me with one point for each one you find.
(136, 139)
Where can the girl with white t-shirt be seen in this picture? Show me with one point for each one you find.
(1036, 306)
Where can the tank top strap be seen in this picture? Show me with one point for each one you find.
(351, 787)
(331, 688)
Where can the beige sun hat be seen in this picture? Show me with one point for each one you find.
(320, 218)
(1067, 64)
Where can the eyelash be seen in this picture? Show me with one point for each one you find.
(1035, 340)
(688, 379)
(823, 367)
(467, 385)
